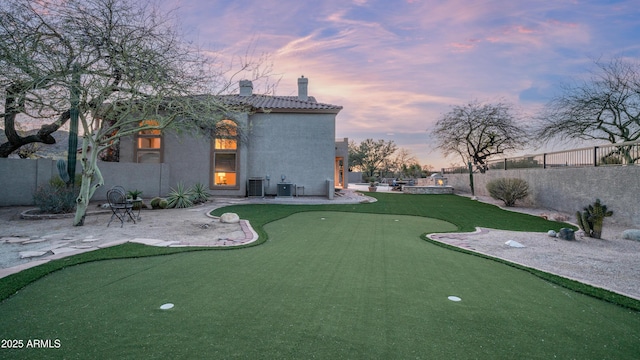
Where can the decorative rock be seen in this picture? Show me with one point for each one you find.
(552, 233)
(631, 234)
(230, 218)
(514, 244)
(566, 234)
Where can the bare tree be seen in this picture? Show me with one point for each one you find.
(476, 132)
(371, 155)
(604, 107)
(124, 62)
(405, 164)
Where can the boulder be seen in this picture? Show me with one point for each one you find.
(631, 234)
(229, 218)
(566, 234)
(552, 233)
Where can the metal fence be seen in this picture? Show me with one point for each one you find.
(627, 153)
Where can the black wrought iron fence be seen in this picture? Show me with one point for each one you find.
(627, 153)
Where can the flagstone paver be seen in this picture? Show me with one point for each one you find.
(57, 245)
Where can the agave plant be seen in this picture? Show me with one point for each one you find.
(199, 193)
(180, 197)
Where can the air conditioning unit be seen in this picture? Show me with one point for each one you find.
(285, 190)
(255, 187)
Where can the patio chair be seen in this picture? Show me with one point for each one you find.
(120, 207)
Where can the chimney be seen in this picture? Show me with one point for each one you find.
(302, 88)
(246, 88)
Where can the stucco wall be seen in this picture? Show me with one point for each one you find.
(298, 146)
(189, 156)
(19, 179)
(301, 147)
(571, 189)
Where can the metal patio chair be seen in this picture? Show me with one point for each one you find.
(120, 207)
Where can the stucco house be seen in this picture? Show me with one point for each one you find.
(288, 149)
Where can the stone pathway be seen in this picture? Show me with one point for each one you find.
(26, 251)
(51, 247)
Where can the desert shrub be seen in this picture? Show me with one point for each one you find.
(56, 197)
(57, 181)
(180, 197)
(199, 193)
(509, 190)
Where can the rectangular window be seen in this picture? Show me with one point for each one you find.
(225, 156)
(224, 168)
(148, 144)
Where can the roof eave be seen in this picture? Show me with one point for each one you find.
(299, 111)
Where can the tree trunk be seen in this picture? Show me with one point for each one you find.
(90, 172)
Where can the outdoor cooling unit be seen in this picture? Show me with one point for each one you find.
(255, 187)
(285, 190)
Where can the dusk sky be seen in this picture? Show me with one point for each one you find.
(396, 66)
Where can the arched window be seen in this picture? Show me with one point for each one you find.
(225, 155)
(148, 143)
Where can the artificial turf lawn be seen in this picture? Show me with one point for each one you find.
(326, 285)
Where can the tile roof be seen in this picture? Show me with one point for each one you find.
(281, 103)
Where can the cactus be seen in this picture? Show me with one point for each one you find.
(62, 170)
(155, 202)
(163, 203)
(583, 223)
(592, 218)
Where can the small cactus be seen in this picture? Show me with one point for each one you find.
(155, 203)
(62, 171)
(591, 219)
(163, 203)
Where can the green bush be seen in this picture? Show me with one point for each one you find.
(509, 190)
(180, 197)
(56, 197)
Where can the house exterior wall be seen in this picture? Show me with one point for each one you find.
(298, 146)
(189, 156)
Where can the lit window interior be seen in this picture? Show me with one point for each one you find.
(225, 154)
(149, 143)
